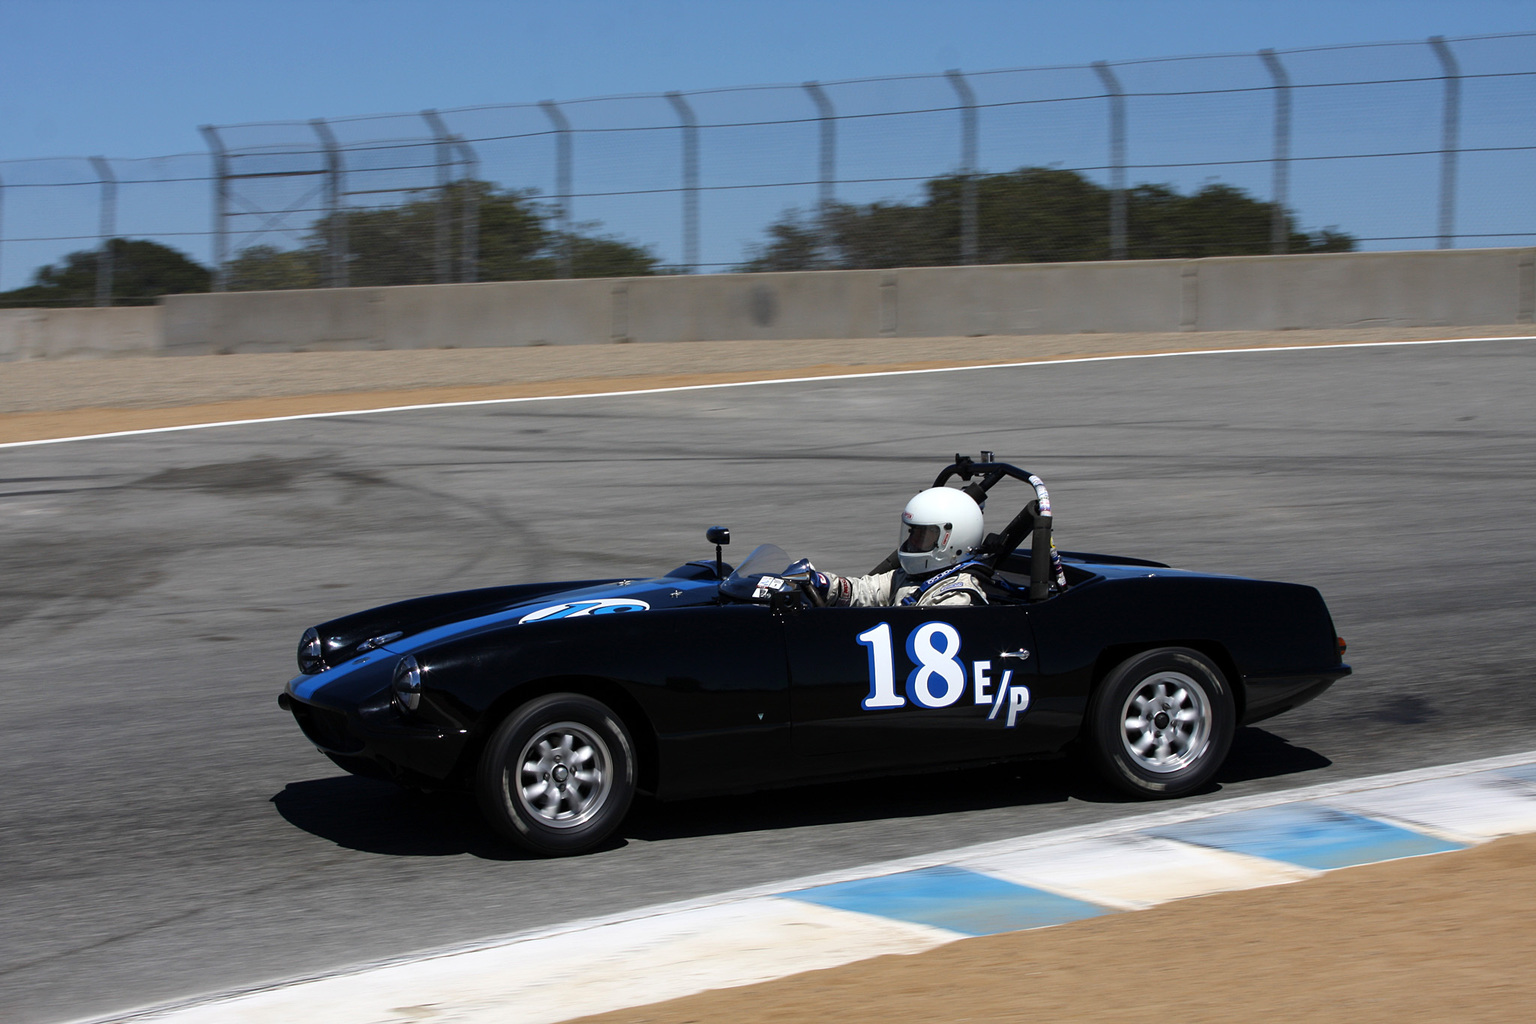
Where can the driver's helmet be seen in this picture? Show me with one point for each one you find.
(939, 527)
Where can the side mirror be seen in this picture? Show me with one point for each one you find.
(718, 535)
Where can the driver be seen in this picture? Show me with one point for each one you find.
(941, 529)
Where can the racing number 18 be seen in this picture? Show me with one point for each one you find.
(938, 680)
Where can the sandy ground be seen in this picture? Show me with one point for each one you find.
(1442, 938)
(42, 399)
(1447, 938)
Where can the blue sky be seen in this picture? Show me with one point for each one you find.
(134, 78)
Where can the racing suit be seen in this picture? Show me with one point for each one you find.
(956, 586)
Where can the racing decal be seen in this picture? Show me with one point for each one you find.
(1017, 696)
(592, 606)
(769, 585)
(938, 678)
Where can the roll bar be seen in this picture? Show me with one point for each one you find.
(1034, 518)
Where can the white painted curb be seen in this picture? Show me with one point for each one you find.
(764, 932)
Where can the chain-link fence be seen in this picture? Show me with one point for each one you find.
(1382, 146)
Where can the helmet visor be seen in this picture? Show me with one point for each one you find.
(920, 539)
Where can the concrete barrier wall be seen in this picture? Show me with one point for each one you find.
(1371, 289)
(489, 315)
(80, 333)
(1040, 298)
(1464, 287)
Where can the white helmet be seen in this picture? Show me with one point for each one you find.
(939, 527)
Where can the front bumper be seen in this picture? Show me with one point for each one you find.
(373, 737)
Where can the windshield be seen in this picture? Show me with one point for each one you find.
(765, 560)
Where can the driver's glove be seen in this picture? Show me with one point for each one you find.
(835, 591)
(820, 582)
(827, 587)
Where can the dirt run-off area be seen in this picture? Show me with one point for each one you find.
(46, 399)
(1450, 937)
(1445, 938)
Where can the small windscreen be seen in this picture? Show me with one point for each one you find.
(765, 560)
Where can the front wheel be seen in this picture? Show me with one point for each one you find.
(1162, 722)
(558, 775)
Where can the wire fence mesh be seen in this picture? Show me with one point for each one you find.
(1378, 146)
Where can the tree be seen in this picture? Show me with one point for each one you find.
(1031, 215)
(142, 271)
(265, 268)
(595, 256)
(1219, 220)
(396, 245)
(515, 243)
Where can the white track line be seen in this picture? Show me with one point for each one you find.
(756, 383)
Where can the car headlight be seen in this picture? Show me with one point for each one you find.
(407, 683)
(311, 653)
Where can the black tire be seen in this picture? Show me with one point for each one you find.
(1181, 744)
(557, 777)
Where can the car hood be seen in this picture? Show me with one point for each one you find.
(406, 626)
(619, 597)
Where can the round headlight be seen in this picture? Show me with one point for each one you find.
(407, 683)
(311, 652)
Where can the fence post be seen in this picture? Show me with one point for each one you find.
(1279, 234)
(1116, 159)
(470, 240)
(108, 229)
(967, 166)
(444, 246)
(562, 181)
(826, 116)
(1449, 139)
(336, 228)
(690, 128)
(220, 206)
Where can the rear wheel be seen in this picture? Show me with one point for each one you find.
(1162, 723)
(558, 775)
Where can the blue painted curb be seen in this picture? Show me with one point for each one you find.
(1309, 835)
(954, 899)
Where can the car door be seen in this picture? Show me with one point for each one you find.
(876, 688)
(713, 683)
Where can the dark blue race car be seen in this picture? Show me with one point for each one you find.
(556, 702)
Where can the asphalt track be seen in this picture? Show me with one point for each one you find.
(165, 830)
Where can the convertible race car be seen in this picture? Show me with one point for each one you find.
(556, 702)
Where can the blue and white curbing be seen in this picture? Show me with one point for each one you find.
(908, 906)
